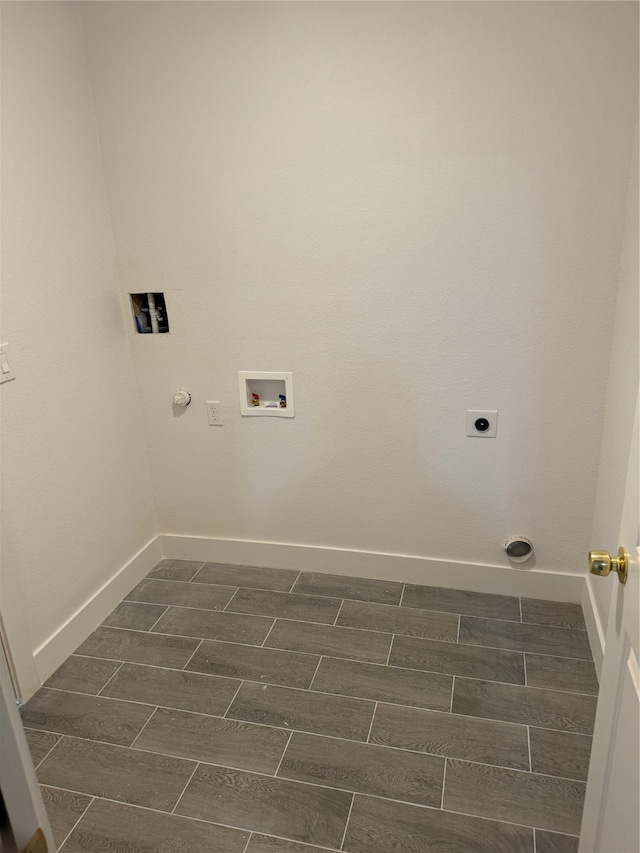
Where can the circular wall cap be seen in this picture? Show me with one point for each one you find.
(518, 548)
(181, 398)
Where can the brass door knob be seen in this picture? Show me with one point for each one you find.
(601, 563)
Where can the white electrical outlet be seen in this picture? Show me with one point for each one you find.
(214, 413)
(482, 424)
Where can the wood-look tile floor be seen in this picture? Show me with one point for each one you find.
(231, 709)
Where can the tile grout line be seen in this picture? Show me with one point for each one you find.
(104, 686)
(224, 609)
(173, 810)
(191, 657)
(49, 751)
(84, 811)
(453, 687)
(529, 749)
(520, 608)
(224, 716)
(262, 644)
(151, 716)
(314, 676)
(524, 660)
(404, 587)
(299, 575)
(149, 630)
(335, 621)
(393, 636)
(373, 716)
(444, 777)
(246, 846)
(458, 633)
(346, 826)
(284, 752)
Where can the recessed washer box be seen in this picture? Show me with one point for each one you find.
(266, 394)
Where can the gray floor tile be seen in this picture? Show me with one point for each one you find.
(399, 620)
(560, 753)
(285, 605)
(341, 586)
(40, 743)
(303, 710)
(531, 706)
(128, 829)
(451, 735)
(557, 673)
(457, 659)
(542, 639)
(268, 844)
(511, 795)
(175, 570)
(85, 716)
(181, 594)
(364, 768)
(137, 617)
(270, 666)
(551, 842)
(64, 809)
(211, 625)
(214, 740)
(264, 804)
(384, 683)
(329, 640)
(460, 601)
(83, 675)
(247, 576)
(188, 691)
(116, 773)
(560, 614)
(381, 825)
(138, 647)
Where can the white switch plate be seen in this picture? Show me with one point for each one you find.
(489, 415)
(214, 413)
(6, 372)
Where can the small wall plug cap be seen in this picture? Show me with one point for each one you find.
(518, 548)
(181, 398)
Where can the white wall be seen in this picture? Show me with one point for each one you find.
(415, 207)
(76, 496)
(621, 402)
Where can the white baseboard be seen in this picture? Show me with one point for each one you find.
(475, 577)
(595, 628)
(57, 648)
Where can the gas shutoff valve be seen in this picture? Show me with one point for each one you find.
(181, 398)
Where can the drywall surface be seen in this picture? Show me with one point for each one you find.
(417, 208)
(76, 497)
(621, 403)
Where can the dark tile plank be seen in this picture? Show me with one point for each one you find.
(460, 601)
(181, 594)
(329, 640)
(247, 576)
(85, 716)
(175, 570)
(40, 743)
(268, 844)
(285, 605)
(457, 659)
(245, 746)
(83, 675)
(64, 809)
(138, 647)
(551, 842)
(525, 798)
(303, 710)
(531, 706)
(137, 617)
(342, 586)
(560, 614)
(289, 669)
(557, 673)
(116, 773)
(381, 825)
(188, 691)
(560, 753)
(542, 639)
(114, 827)
(265, 804)
(211, 625)
(451, 735)
(384, 683)
(364, 768)
(399, 620)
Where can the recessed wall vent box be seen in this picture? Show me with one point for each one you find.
(266, 394)
(149, 313)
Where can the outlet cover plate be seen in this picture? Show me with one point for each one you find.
(490, 415)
